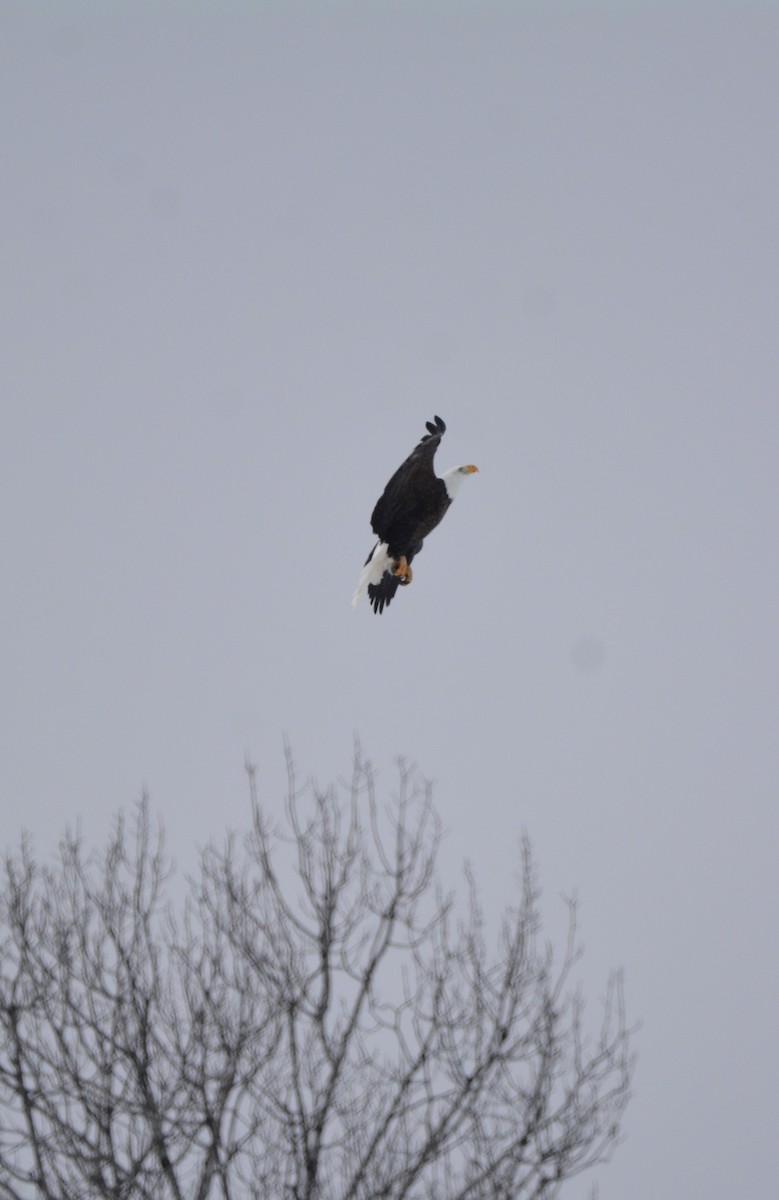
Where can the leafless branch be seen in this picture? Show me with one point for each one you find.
(318, 1020)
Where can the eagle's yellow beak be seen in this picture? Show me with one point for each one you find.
(470, 470)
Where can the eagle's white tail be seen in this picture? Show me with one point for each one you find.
(378, 562)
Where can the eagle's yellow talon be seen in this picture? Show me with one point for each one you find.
(402, 570)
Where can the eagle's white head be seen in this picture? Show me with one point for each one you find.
(454, 477)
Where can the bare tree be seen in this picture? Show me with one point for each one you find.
(317, 1021)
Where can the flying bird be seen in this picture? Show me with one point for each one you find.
(412, 504)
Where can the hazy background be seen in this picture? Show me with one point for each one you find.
(247, 250)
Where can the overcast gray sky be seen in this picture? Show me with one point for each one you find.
(247, 250)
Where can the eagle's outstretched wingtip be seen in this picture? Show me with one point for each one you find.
(436, 427)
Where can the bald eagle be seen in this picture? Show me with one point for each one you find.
(412, 504)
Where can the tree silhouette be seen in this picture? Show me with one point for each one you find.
(317, 1020)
